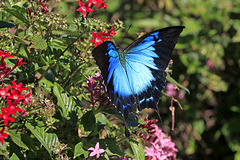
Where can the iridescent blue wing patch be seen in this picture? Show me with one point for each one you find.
(136, 75)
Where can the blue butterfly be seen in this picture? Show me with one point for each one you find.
(136, 75)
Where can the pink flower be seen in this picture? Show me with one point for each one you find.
(96, 151)
(170, 89)
(157, 145)
(181, 94)
(210, 64)
(98, 39)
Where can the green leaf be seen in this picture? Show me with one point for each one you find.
(48, 140)
(39, 42)
(16, 138)
(78, 151)
(46, 84)
(66, 102)
(137, 150)
(89, 121)
(170, 79)
(23, 41)
(15, 12)
(4, 24)
(14, 157)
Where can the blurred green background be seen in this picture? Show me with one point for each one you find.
(206, 61)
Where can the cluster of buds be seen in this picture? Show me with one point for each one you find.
(41, 13)
(97, 90)
(148, 126)
(11, 96)
(87, 7)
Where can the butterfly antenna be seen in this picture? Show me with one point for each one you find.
(125, 34)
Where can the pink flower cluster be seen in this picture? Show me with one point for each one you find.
(87, 7)
(99, 37)
(97, 90)
(171, 90)
(158, 146)
(11, 96)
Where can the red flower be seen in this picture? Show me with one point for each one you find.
(19, 62)
(5, 55)
(3, 135)
(18, 87)
(109, 34)
(5, 116)
(103, 5)
(84, 8)
(98, 39)
(15, 95)
(44, 9)
(27, 98)
(4, 92)
(91, 3)
(12, 107)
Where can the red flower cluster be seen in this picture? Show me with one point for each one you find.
(98, 37)
(11, 96)
(4, 69)
(44, 9)
(87, 7)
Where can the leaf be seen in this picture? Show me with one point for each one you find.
(88, 120)
(4, 24)
(23, 41)
(78, 151)
(16, 138)
(170, 79)
(48, 140)
(39, 42)
(137, 150)
(46, 84)
(66, 102)
(14, 157)
(15, 12)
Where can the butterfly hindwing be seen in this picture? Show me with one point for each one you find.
(136, 75)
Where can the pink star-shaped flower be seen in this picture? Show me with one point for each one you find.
(96, 151)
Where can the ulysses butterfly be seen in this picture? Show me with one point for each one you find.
(136, 75)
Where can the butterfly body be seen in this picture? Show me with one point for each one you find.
(136, 75)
